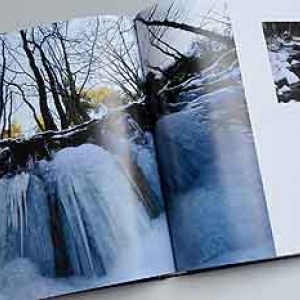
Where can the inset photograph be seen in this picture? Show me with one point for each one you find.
(283, 42)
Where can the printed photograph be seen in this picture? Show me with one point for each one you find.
(81, 203)
(206, 153)
(126, 151)
(283, 43)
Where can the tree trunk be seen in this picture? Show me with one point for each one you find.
(185, 27)
(44, 108)
(75, 107)
(52, 82)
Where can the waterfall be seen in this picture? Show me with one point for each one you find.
(98, 209)
(71, 215)
(24, 222)
(215, 191)
(76, 214)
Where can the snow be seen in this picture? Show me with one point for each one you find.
(295, 62)
(24, 222)
(290, 76)
(109, 237)
(196, 49)
(99, 112)
(280, 67)
(280, 56)
(284, 60)
(290, 44)
(280, 73)
(284, 89)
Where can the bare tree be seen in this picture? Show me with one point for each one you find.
(170, 19)
(119, 61)
(50, 76)
(40, 82)
(2, 77)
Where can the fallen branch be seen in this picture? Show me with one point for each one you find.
(189, 28)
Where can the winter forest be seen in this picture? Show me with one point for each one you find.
(119, 136)
(283, 42)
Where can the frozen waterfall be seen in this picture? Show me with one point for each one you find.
(98, 208)
(24, 222)
(217, 209)
(77, 216)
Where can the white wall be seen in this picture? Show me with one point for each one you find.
(277, 132)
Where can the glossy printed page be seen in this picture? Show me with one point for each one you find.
(283, 44)
(215, 199)
(81, 204)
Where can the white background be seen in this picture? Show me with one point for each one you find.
(277, 136)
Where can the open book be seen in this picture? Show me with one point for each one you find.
(127, 151)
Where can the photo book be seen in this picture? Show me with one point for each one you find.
(132, 148)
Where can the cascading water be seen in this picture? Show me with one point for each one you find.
(144, 157)
(24, 222)
(72, 217)
(98, 220)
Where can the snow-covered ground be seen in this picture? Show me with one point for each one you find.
(284, 58)
(108, 236)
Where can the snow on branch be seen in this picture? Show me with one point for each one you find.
(17, 152)
(186, 27)
(51, 135)
(211, 75)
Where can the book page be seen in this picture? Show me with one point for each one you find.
(266, 33)
(216, 203)
(81, 202)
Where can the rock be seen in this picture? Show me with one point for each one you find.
(296, 47)
(282, 82)
(284, 89)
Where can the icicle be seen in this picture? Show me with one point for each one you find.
(24, 222)
(99, 210)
